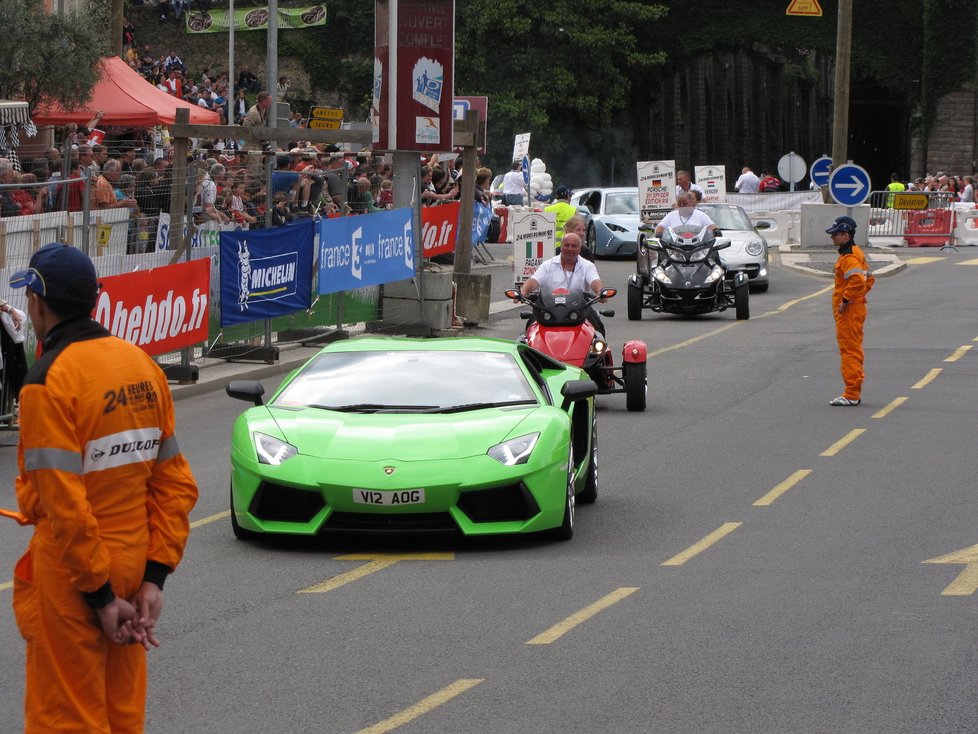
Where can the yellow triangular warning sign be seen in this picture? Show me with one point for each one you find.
(804, 7)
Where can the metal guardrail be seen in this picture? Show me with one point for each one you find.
(913, 219)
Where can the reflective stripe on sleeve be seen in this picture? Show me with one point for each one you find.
(855, 271)
(168, 449)
(59, 459)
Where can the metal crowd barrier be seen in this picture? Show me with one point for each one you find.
(912, 219)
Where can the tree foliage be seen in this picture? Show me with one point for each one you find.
(51, 57)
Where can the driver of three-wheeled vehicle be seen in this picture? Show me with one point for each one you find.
(570, 272)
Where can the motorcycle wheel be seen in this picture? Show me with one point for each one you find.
(741, 302)
(634, 302)
(636, 386)
(590, 492)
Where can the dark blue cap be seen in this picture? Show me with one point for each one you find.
(842, 224)
(60, 272)
(562, 192)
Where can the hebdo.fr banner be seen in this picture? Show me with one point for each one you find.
(158, 310)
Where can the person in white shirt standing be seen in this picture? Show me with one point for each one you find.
(514, 188)
(748, 182)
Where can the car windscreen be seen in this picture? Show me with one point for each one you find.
(621, 203)
(728, 217)
(414, 379)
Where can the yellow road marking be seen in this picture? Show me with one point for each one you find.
(966, 582)
(923, 259)
(894, 404)
(783, 487)
(562, 628)
(968, 262)
(789, 304)
(843, 442)
(695, 339)
(377, 562)
(783, 307)
(424, 706)
(927, 379)
(697, 548)
(958, 353)
(210, 519)
(6, 585)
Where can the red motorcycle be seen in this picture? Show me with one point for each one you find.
(561, 329)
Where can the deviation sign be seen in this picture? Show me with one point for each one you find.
(804, 7)
(966, 582)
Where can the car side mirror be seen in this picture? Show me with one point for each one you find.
(762, 225)
(248, 390)
(575, 390)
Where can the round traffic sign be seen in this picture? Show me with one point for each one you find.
(792, 168)
(820, 170)
(849, 185)
(526, 170)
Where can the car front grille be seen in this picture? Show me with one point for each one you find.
(276, 502)
(499, 504)
(428, 522)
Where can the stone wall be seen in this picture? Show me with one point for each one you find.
(952, 144)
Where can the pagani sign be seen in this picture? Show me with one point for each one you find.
(414, 70)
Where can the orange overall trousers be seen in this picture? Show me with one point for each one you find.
(852, 282)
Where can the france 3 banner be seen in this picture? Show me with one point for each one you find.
(370, 249)
(266, 272)
(158, 310)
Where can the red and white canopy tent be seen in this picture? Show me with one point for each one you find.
(127, 100)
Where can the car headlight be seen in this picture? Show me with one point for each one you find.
(273, 451)
(660, 275)
(515, 451)
(615, 227)
(714, 275)
(598, 346)
(754, 247)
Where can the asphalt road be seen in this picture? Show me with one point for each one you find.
(755, 561)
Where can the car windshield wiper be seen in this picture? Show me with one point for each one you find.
(374, 408)
(479, 406)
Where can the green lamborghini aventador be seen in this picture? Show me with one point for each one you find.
(482, 436)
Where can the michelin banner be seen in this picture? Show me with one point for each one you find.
(266, 272)
(371, 249)
(254, 19)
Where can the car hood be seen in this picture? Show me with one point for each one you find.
(628, 221)
(400, 436)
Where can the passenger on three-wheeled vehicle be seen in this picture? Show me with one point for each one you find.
(681, 273)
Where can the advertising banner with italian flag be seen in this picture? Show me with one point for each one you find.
(534, 240)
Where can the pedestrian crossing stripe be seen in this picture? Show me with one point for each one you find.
(923, 260)
(534, 249)
(968, 262)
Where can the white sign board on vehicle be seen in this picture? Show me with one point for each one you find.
(534, 237)
(656, 188)
(713, 181)
(521, 146)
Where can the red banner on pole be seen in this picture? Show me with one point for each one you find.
(158, 310)
(414, 68)
(439, 227)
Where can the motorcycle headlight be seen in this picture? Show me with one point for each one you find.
(273, 451)
(515, 451)
(598, 346)
(714, 275)
(754, 247)
(615, 227)
(677, 255)
(699, 255)
(660, 275)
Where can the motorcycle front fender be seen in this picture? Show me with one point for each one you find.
(634, 351)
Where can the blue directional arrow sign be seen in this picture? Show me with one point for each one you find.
(820, 170)
(850, 185)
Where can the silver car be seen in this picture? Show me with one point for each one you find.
(612, 219)
(748, 250)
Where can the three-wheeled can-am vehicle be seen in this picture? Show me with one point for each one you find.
(560, 328)
(681, 273)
